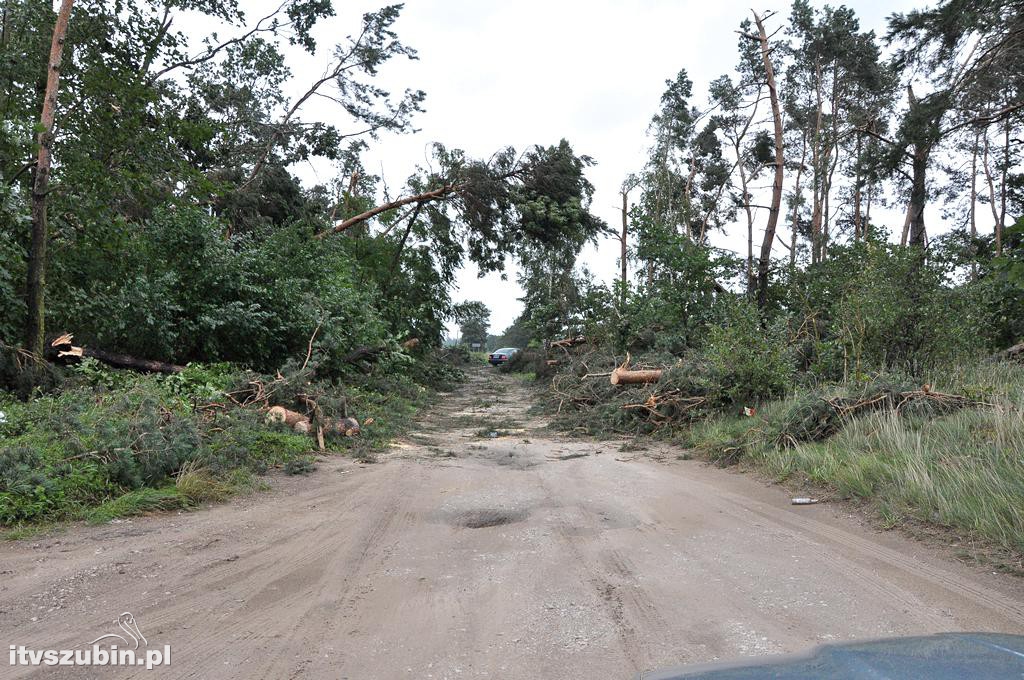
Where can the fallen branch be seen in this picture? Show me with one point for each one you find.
(425, 197)
(61, 350)
(569, 342)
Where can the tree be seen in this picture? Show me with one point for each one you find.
(837, 87)
(474, 320)
(628, 185)
(773, 211)
(35, 326)
(972, 53)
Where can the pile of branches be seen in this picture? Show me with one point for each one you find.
(818, 417)
(584, 398)
(295, 399)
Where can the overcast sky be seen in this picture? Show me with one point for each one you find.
(531, 72)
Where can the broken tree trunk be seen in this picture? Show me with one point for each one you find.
(425, 197)
(773, 212)
(623, 375)
(35, 285)
(61, 350)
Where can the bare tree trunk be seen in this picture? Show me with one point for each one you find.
(817, 179)
(867, 211)
(795, 228)
(622, 239)
(856, 195)
(750, 228)
(918, 186)
(1001, 224)
(825, 229)
(906, 225)
(918, 196)
(35, 327)
(991, 193)
(687, 202)
(974, 201)
(773, 212)
(832, 160)
(425, 197)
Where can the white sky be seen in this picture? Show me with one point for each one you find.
(531, 72)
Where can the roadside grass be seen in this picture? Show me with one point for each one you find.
(138, 502)
(197, 484)
(112, 444)
(959, 469)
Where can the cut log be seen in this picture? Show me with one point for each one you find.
(625, 376)
(411, 343)
(61, 350)
(279, 414)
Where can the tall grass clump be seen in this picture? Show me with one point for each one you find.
(961, 469)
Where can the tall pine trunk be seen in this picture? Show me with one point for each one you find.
(35, 326)
(773, 212)
(624, 251)
(918, 195)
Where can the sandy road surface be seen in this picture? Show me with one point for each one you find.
(462, 555)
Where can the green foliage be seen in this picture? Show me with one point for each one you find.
(747, 362)
(872, 307)
(112, 443)
(1003, 289)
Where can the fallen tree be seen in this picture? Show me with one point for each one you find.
(62, 350)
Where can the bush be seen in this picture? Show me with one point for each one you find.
(747, 363)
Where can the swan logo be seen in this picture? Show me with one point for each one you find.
(119, 648)
(126, 622)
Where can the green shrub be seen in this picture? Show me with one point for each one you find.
(749, 364)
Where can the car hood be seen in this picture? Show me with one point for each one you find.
(937, 657)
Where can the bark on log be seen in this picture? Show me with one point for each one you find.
(625, 376)
(61, 350)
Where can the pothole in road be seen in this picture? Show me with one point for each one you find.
(488, 517)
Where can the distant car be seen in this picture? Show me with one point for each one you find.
(500, 356)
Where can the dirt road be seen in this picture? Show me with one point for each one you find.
(461, 554)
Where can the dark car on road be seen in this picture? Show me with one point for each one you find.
(500, 356)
